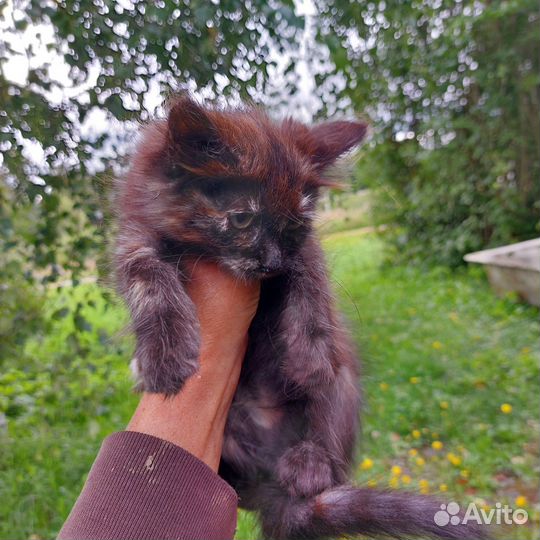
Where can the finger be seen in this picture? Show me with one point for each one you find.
(208, 282)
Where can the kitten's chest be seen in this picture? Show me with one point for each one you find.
(265, 351)
(267, 414)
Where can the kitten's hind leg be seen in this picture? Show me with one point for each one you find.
(318, 362)
(305, 470)
(163, 317)
(323, 458)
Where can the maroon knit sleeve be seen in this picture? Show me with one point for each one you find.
(144, 488)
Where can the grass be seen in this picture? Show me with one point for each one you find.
(441, 356)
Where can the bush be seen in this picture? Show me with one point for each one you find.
(68, 370)
(442, 207)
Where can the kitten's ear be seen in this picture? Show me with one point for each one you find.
(193, 139)
(330, 140)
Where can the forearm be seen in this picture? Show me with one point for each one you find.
(158, 479)
(142, 486)
(195, 418)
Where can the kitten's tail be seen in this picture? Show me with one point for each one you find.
(348, 510)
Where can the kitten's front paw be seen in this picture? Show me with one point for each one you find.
(167, 354)
(162, 372)
(304, 470)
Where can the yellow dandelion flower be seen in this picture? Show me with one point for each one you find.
(453, 316)
(525, 350)
(453, 459)
(413, 452)
(465, 473)
(443, 487)
(372, 483)
(437, 445)
(506, 408)
(394, 482)
(424, 486)
(383, 386)
(396, 470)
(406, 479)
(420, 461)
(366, 464)
(443, 404)
(437, 345)
(416, 433)
(411, 311)
(521, 501)
(414, 380)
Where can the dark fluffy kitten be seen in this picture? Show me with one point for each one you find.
(240, 189)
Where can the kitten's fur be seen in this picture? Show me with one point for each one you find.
(195, 180)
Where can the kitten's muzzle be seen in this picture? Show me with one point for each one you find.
(270, 261)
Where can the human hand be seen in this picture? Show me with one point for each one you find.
(195, 418)
(225, 308)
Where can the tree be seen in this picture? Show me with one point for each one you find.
(453, 91)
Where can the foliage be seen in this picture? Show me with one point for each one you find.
(453, 92)
(83, 338)
(20, 316)
(441, 355)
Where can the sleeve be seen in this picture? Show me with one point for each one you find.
(144, 488)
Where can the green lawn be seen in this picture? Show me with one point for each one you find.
(441, 356)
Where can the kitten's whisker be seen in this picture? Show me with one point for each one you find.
(178, 271)
(350, 298)
(197, 262)
(271, 339)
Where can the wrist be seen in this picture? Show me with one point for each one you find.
(195, 418)
(219, 356)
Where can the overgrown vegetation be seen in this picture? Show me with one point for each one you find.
(441, 356)
(453, 92)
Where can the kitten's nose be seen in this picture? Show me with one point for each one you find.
(271, 262)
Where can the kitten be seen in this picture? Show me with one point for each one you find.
(236, 187)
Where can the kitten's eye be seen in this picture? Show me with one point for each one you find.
(241, 220)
